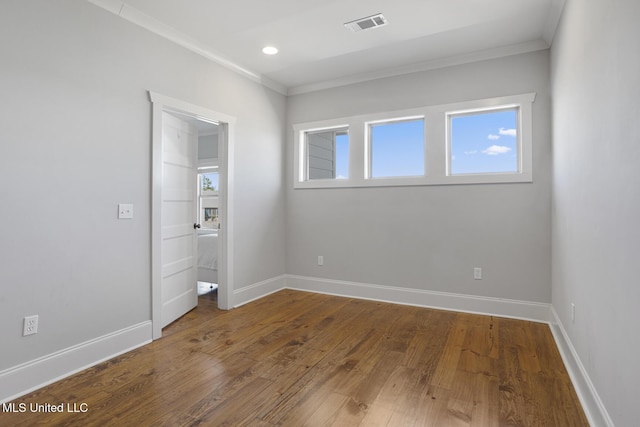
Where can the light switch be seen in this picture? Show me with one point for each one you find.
(125, 211)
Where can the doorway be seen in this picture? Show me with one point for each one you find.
(173, 223)
(207, 207)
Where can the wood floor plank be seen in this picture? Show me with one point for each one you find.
(297, 358)
(327, 413)
(364, 387)
(432, 330)
(486, 410)
(389, 398)
(241, 408)
(448, 363)
(338, 357)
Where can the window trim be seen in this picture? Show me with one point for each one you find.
(436, 149)
(301, 147)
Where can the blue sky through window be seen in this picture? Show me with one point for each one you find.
(484, 142)
(397, 149)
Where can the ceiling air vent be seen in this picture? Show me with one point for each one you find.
(367, 23)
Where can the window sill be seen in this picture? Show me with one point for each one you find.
(470, 179)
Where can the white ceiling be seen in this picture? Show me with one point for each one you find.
(317, 51)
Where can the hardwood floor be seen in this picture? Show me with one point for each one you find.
(296, 358)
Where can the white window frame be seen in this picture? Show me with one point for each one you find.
(436, 149)
(468, 113)
(301, 153)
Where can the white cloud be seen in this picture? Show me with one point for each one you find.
(493, 137)
(471, 152)
(495, 150)
(507, 132)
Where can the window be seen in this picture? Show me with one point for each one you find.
(208, 198)
(327, 154)
(211, 219)
(484, 142)
(472, 142)
(209, 184)
(397, 148)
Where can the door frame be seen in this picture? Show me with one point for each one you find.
(164, 103)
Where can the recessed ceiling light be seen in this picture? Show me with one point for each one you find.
(269, 50)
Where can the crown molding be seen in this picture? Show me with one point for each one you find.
(135, 16)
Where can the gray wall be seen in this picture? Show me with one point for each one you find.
(75, 131)
(429, 237)
(595, 71)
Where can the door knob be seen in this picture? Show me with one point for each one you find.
(196, 225)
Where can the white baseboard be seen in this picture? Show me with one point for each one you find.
(27, 377)
(258, 290)
(515, 309)
(591, 403)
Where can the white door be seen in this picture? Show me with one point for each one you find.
(179, 256)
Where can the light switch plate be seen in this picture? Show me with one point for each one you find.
(125, 211)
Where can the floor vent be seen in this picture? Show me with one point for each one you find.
(367, 23)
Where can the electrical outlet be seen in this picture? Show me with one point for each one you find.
(477, 273)
(30, 325)
(320, 260)
(125, 211)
